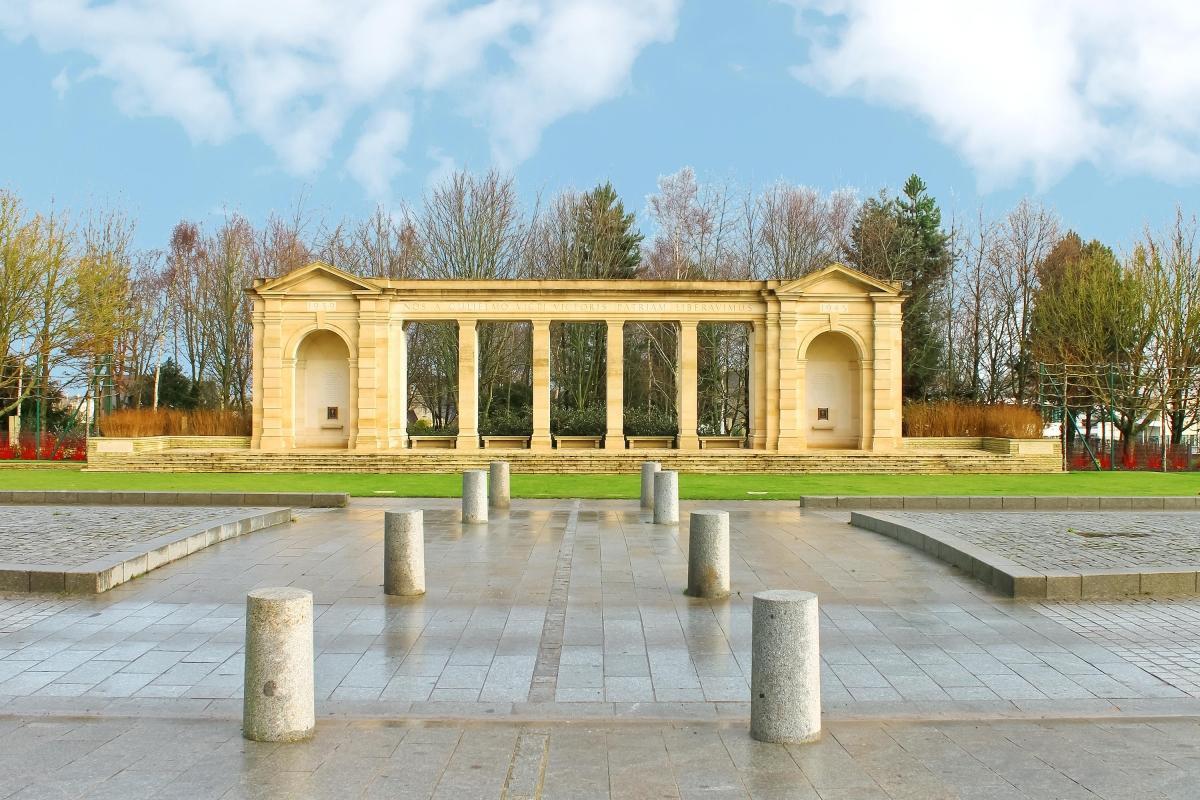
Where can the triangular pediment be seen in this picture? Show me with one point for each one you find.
(837, 279)
(317, 278)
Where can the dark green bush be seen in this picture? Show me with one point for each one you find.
(423, 427)
(650, 422)
(589, 421)
(507, 422)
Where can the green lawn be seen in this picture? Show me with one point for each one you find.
(696, 487)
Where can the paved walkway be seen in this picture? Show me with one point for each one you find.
(572, 611)
(198, 760)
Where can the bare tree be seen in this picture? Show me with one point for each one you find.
(1023, 240)
(471, 227)
(800, 230)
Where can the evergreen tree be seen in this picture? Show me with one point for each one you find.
(607, 243)
(901, 239)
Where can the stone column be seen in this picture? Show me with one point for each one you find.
(397, 382)
(666, 498)
(757, 376)
(279, 704)
(649, 470)
(771, 370)
(541, 385)
(708, 554)
(499, 495)
(614, 357)
(686, 390)
(785, 667)
(468, 386)
(474, 496)
(404, 553)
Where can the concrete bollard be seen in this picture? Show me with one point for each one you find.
(649, 468)
(404, 553)
(785, 667)
(666, 498)
(279, 703)
(475, 496)
(708, 554)
(499, 495)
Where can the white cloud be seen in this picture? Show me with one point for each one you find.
(375, 160)
(1023, 87)
(61, 83)
(300, 74)
(580, 53)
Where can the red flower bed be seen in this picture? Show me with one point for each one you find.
(50, 448)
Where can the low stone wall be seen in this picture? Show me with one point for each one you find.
(159, 444)
(991, 444)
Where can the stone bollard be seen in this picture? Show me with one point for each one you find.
(666, 498)
(404, 553)
(499, 495)
(708, 554)
(279, 703)
(785, 667)
(475, 496)
(649, 468)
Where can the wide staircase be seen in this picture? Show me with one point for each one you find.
(903, 460)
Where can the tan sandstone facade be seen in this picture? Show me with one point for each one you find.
(330, 354)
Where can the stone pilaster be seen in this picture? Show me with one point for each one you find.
(791, 381)
(372, 373)
(275, 391)
(888, 376)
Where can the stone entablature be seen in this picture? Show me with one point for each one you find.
(330, 353)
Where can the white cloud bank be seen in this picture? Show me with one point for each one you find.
(1023, 87)
(303, 74)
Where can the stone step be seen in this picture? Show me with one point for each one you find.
(599, 461)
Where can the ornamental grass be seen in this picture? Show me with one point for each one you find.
(945, 418)
(174, 422)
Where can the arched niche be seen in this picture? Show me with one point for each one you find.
(325, 414)
(833, 392)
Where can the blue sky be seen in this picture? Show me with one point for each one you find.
(172, 113)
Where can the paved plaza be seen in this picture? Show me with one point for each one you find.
(555, 654)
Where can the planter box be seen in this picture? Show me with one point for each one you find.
(432, 442)
(514, 442)
(722, 442)
(578, 442)
(650, 442)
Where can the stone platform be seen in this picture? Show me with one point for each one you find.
(1059, 555)
(91, 549)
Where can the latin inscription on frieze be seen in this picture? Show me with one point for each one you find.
(583, 307)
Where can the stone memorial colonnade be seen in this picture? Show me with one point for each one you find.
(329, 359)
